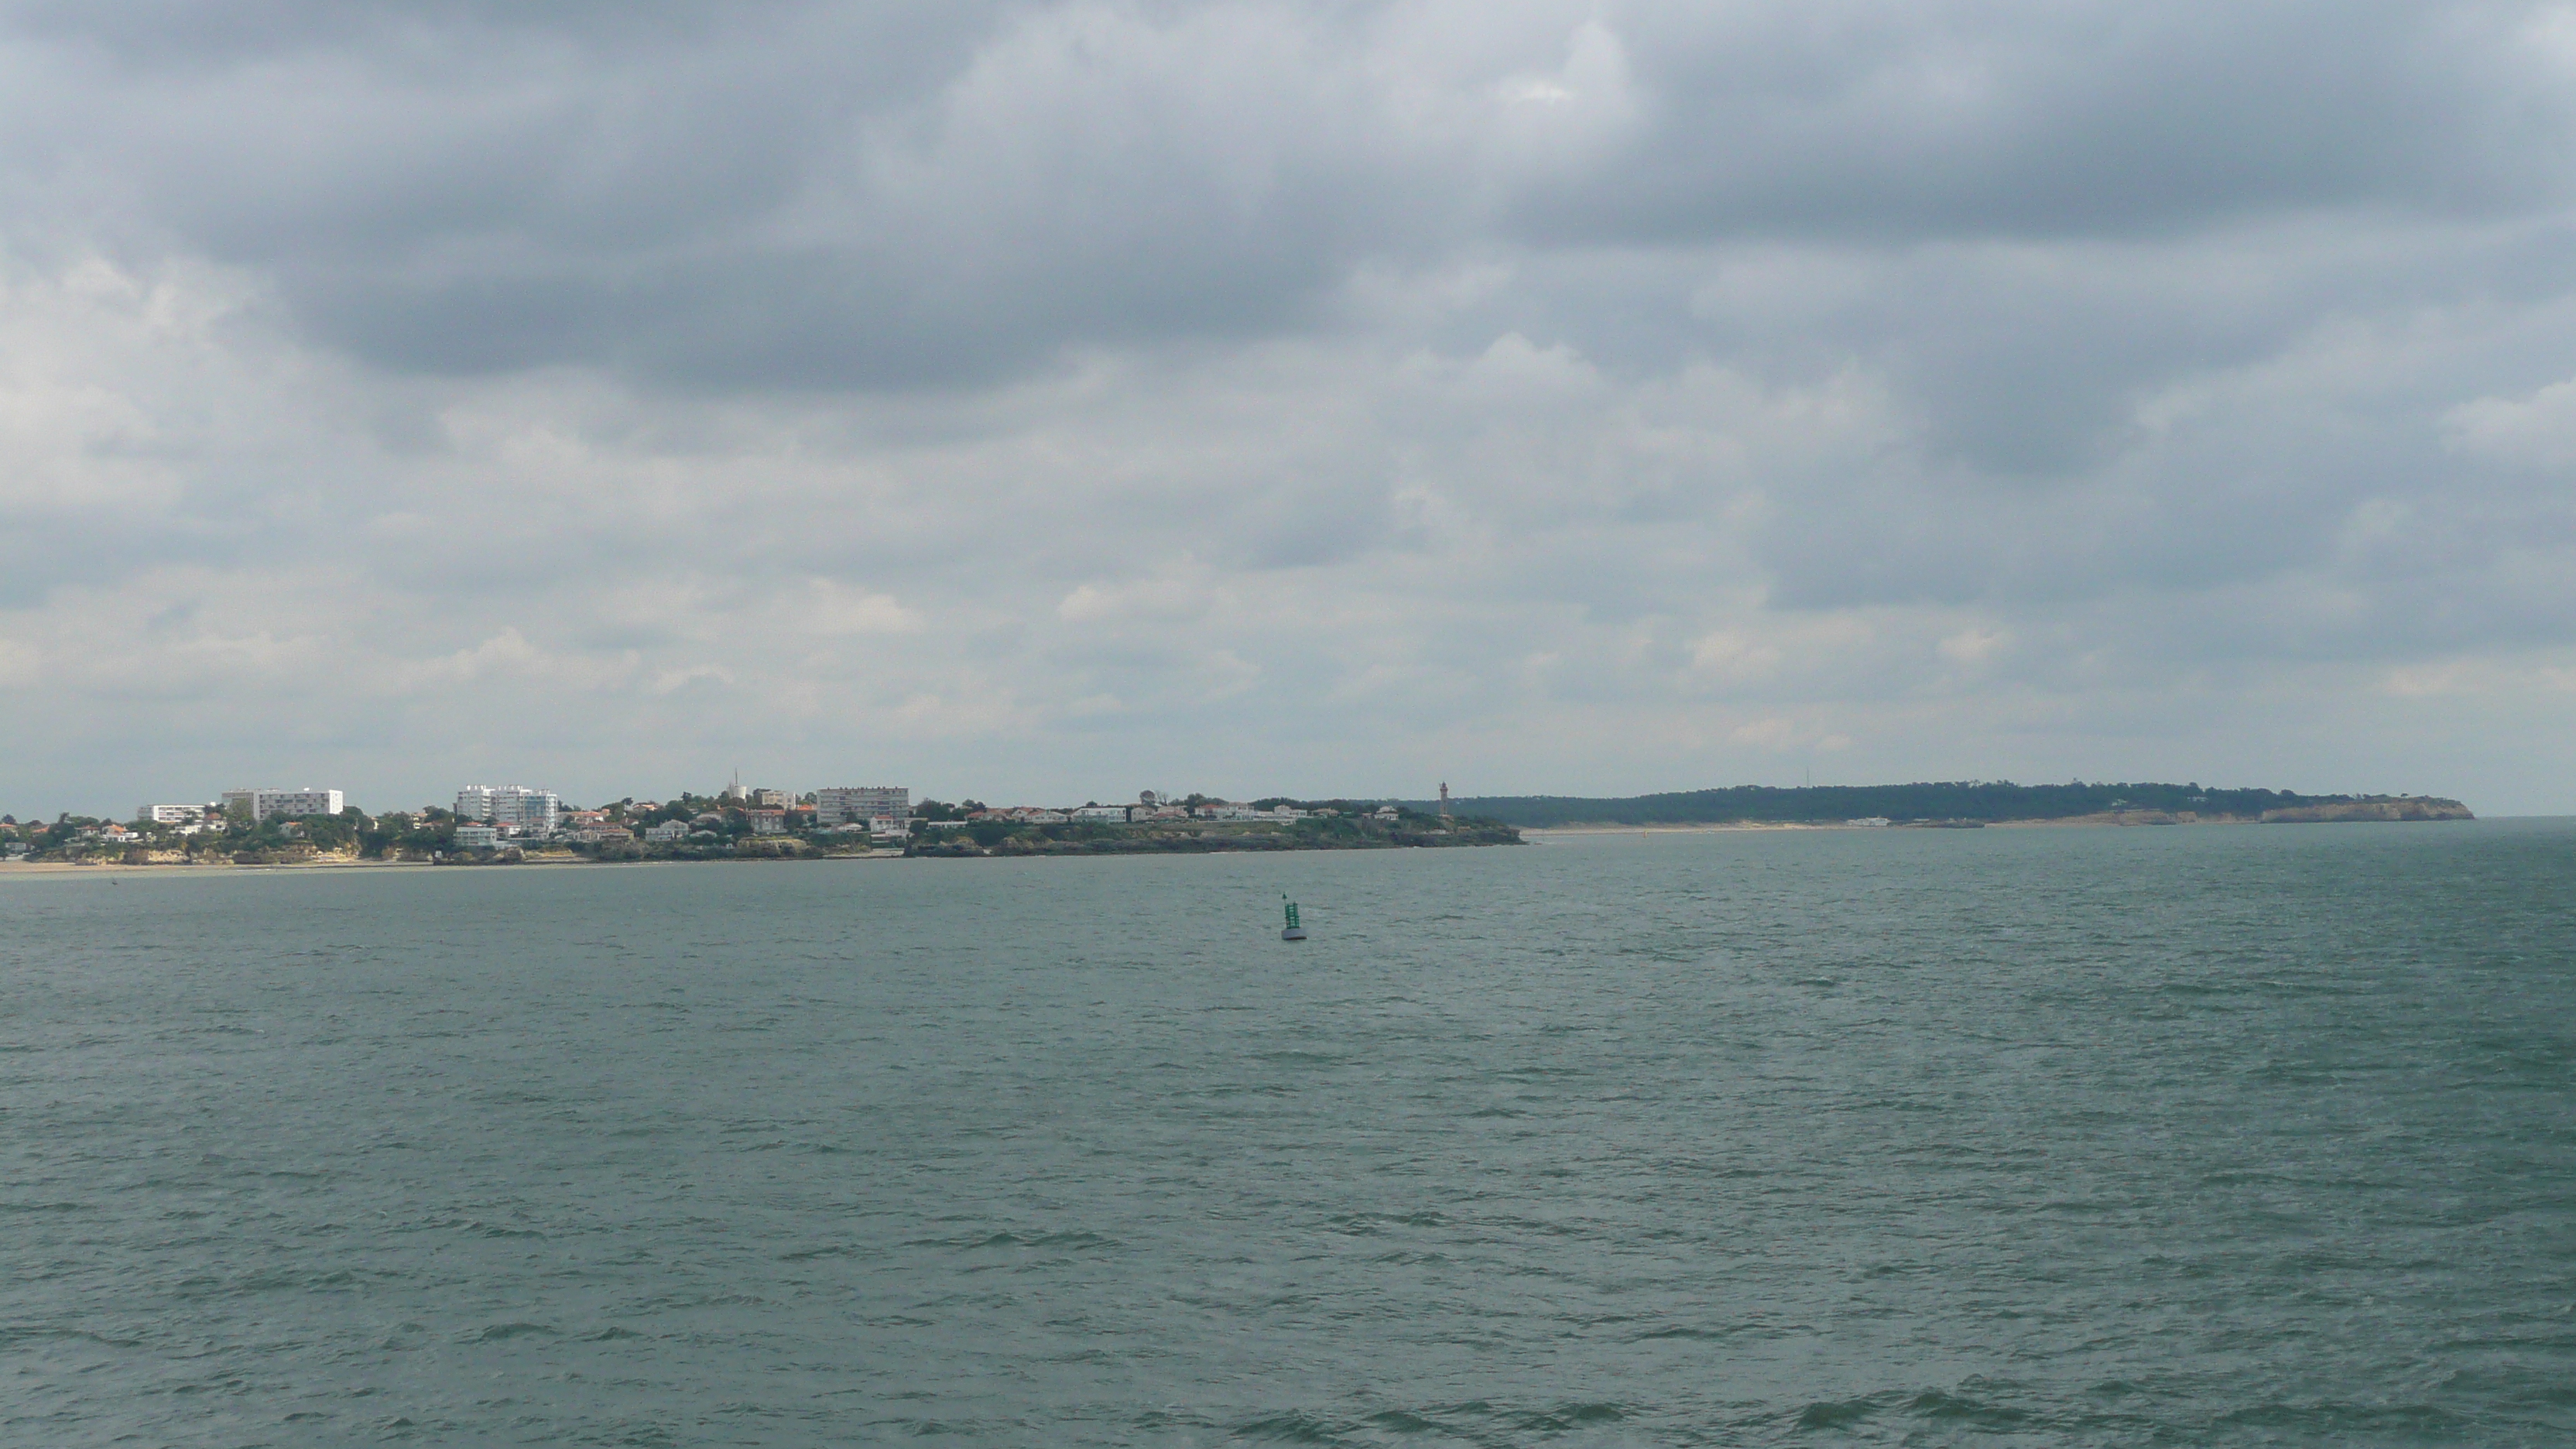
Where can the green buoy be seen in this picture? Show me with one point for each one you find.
(1294, 932)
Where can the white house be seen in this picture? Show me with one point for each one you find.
(1102, 814)
(475, 836)
(667, 831)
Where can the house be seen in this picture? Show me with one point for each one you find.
(1102, 815)
(768, 822)
(474, 835)
(667, 831)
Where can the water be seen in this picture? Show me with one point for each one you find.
(2260, 1136)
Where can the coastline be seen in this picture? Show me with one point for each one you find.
(2365, 813)
(62, 868)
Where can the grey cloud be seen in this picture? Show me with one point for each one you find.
(1756, 376)
(1857, 121)
(835, 196)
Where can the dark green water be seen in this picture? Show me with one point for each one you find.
(2250, 1135)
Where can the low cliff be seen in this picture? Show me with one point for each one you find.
(2385, 807)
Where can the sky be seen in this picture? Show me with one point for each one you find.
(1047, 401)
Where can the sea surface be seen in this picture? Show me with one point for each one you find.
(2250, 1135)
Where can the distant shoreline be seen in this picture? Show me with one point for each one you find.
(342, 865)
(2120, 821)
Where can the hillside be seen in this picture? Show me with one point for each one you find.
(1989, 801)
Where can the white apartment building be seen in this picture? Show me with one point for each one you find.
(514, 808)
(849, 804)
(170, 814)
(259, 805)
(1102, 814)
(477, 837)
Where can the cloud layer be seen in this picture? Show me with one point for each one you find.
(1055, 399)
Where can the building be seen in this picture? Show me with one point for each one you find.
(768, 822)
(768, 799)
(667, 831)
(847, 804)
(473, 836)
(886, 827)
(514, 808)
(169, 814)
(1102, 814)
(258, 805)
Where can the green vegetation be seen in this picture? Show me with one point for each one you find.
(1977, 800)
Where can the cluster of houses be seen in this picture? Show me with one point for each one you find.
(490, 817)
(1150, 808)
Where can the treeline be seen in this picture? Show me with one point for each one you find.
(1986, 800)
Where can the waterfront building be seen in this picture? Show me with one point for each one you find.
(1102, 814)
(258, 805)
(887, 827)
(845, 804)
(667, 831)
(768, 822)
(514, 808)
(475, 836)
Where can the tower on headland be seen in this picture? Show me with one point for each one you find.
(1444, 799)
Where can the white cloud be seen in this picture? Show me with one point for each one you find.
(2536, 430)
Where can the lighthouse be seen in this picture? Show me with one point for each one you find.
(1444, 799)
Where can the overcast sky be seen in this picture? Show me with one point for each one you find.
(1047, 401)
